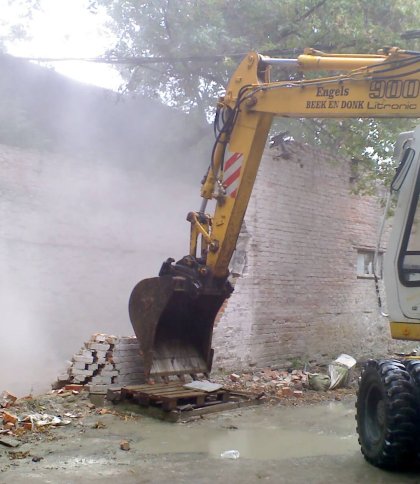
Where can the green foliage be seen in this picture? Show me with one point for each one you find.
(297, 364)
(173, 29)
(21, 11)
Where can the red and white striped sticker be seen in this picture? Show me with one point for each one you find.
(232, 174)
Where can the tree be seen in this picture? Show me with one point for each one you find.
(22, 12)
(195, 45)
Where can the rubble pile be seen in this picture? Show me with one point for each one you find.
(7, 399)
(291, 386)
(276, 383)
(26, 421)
(104, 360)
(17, 416)
(269, 382)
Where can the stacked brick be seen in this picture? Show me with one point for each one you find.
(105, 360)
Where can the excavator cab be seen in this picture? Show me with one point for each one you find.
(402, 259)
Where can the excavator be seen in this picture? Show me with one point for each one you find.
(173, 314)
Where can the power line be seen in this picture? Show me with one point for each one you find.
(140, 60)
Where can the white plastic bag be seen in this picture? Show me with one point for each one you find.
(230, 454)
(339, 371)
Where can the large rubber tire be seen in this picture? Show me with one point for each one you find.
(413, 368)
(386, 415)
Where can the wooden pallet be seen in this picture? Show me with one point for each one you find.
(172, 396)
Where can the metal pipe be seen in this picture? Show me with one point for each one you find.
(376, 254)
(337, 62)
(280, 62)
(311, 62)
(203, 205)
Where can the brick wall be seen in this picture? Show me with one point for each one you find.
(300, 298)
(76, 235)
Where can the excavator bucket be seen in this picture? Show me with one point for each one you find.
(174, 325)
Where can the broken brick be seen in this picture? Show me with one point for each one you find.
(7, 399)
(98, 346)
(124, 445)
(83, 359)
(77, 388)
(9, 417)
(287, 392)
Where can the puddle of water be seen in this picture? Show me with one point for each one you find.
(261, 433)
(256, 444)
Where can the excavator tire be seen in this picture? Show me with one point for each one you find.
(386, 415)
(413, 368)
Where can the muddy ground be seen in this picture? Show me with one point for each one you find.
(289, 441)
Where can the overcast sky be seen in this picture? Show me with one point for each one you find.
(65, 28)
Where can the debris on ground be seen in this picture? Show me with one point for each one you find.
(268, 381)
(29, 421)
(339, 371)
(106, 364)
(33, 427)
(7, 399)
(18, 454)
(113, 363)
(124, 445)
(203, 385)
(29, 415)
(9, 442)
(319, 382)
(230, 454)
(291, 386)
(99, 425)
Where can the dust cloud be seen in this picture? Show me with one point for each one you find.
(78, 232)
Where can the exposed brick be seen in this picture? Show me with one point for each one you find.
(300, 298)
(98, 346)
(100, 354)
(286, 392)
(83, 359)
(9, 417)
(85, 373)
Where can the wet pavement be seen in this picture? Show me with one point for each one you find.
(279, 444)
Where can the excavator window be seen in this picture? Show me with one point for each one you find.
(402, 169)
(409, 259)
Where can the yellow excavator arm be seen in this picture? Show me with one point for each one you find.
(372, 86)
(173, 314)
